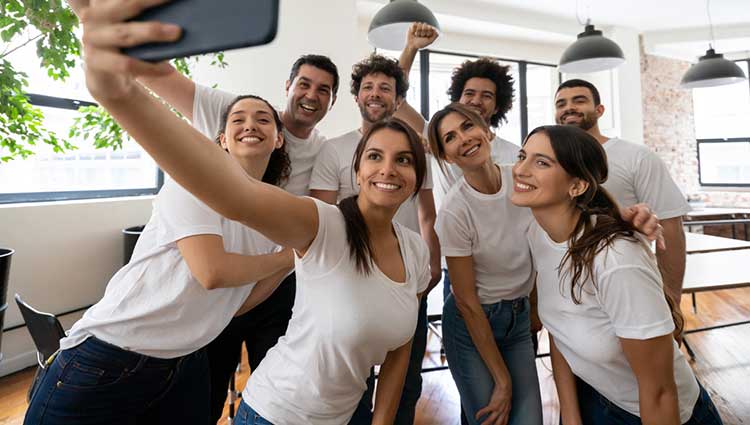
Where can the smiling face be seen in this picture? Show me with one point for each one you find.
(309, 96)
(575, 106)
(377, 99)
(480, 94)
(539, 181)
(251, 130)
(464, 142)
(387, 174)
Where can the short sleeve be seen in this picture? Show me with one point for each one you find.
(208, 105)
(655, 187)
(456, 237)
(181, 214)
(325, 172)
(329, 246)
(633, 298)
(427, 184)
(423, 266)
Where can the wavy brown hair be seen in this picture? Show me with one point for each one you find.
(433, 129)
(583, 157)
(357, 233)
(279, 165)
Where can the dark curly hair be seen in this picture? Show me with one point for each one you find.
(279, 165)
(377, 63)
(485, 68)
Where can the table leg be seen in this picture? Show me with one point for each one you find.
(695, 305)
(690, 351)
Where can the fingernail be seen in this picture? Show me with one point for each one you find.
(171, 30)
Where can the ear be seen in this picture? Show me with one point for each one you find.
(333, 101)
(223, 141)
(578, 188)
(280, 140)
(599, 110)
(399, 102)
(286, 86)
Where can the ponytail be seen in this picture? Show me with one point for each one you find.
(357, 234)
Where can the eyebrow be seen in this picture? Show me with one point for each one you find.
(547, 157)
(309, 81)
(381, 151)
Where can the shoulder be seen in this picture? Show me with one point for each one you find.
(414, 245)
(455, 199)
(625, 253)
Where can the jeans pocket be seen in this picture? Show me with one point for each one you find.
(83, 372)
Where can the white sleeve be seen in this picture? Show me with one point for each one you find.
(330, 244)
(632, 297)
(326, 171)
(424, 266)
(455, 234)
(181, 214)
(427, 184)
(208, 105)
(655, 187)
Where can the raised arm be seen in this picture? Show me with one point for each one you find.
(197, 165)
(419, 36)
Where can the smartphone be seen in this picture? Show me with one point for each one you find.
(210, 26)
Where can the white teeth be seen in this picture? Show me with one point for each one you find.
(308, 107)
(387, 186)
(250, 139)
(524, 186)
(472, 150)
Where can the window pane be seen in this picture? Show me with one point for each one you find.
(724, 111)
(541, 82)
(441, 68)
(724, 162)
(84, 169)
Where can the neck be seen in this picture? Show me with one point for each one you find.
(594, 131)
(297, 130)
(365, 126)
(559, 221)
(254, 167)
(485, 179)
(378, 219)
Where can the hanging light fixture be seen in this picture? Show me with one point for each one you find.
(389, 26)
(592, 52)
(712, 69)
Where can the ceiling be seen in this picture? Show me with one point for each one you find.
(672, 28)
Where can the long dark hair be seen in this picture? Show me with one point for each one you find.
(279, 166)
(357, 233)
(582, 156)
(433, 129)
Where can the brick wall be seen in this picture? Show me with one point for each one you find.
(668, 128)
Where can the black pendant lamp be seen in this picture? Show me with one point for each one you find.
(389, 26)
(712, 70)
(592, 52)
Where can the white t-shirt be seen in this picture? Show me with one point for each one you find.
(503, 152)
(636, 174)
(333, 171)
(154, 305)
(342, 324)
(493, 231)
(628, 302)
(208, 106)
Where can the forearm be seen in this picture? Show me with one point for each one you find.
(483, 338)
(672, 260)
(237, 270)
(175, 89)
(426, 214)
(406, 60)
(77, 5)
(262, 291)
(565, 382)
(390, 385)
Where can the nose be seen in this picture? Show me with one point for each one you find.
(388, 167)
(520, 168)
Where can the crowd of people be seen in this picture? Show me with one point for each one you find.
(318, 254)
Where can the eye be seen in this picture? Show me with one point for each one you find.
(467, 125)
(237, 121)
(448, 138)
(304, 85)
(405, 160)
(373, 156)
(264, 121)
(541, 163)
(521, 156)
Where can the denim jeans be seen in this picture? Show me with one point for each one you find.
(247, 416)
(412, 384)
(596, 409)
(509, 321)
(99, 383)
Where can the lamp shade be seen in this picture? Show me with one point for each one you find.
(592, 52)
(389, 26)
(712, 70)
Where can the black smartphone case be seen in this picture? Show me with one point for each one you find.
(210, 26)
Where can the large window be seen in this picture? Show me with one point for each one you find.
(78, 174)
(722, 129)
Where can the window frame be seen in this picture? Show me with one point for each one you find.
(722, 140)
(424, 70)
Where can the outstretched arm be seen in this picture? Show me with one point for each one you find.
(200, 167)
(419, 36)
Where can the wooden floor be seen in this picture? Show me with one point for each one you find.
(722, 365)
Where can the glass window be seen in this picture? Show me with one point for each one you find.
(724, 163)
(541, 83)
(724, 111)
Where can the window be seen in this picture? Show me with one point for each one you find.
(78, 174)
(722, 130)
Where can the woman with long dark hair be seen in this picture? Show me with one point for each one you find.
(614, 355)
(137, 355)
(359, 275)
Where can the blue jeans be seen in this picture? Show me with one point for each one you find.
(412, 384)
(99, 383)
(247, 416)
(596, 409)
(509, 321)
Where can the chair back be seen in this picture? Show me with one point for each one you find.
(45, 330)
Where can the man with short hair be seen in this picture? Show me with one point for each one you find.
(379, 86)
(636, 175)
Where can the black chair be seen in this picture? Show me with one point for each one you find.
(46, 331)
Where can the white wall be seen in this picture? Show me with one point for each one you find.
(65, 254)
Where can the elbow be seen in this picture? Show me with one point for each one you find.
(210, 279)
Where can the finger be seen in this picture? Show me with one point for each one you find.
(661, 243)
(490, 419)
(119, 10)
(130, 34)
(115, 63)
